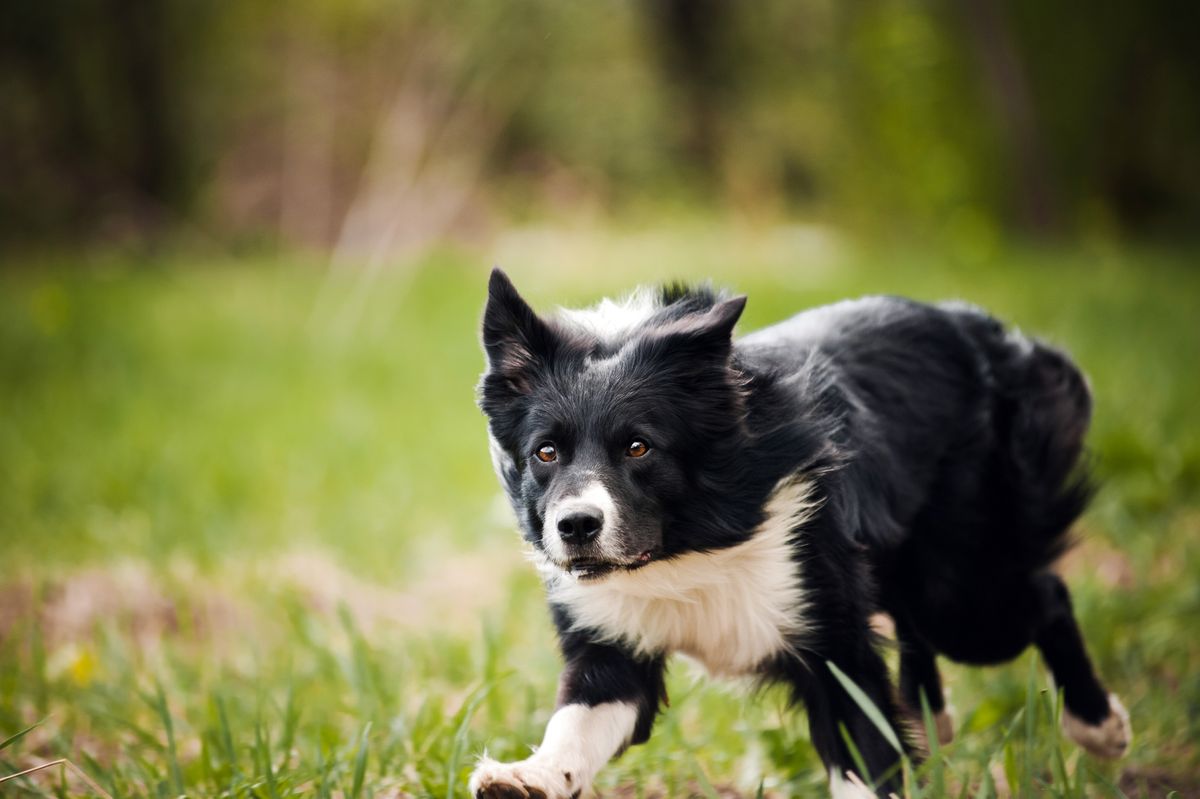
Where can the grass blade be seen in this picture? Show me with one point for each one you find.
(360, 763)
(936, 773)
(12, 739)
(66, 764)
(460, 736)
(226, 739)
(706, 787)
(866, 705)
(855, 755)
(1117, 792)
(262, 743)
(1031, 703)
(986, 789)
(291, 720)
(323, 769)
(172, 754)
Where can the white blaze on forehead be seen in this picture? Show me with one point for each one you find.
(579, 740)
(611, 321)
(730, 608)
(594, 496)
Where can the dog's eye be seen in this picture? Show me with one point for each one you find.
(637, 448)
(546, 453)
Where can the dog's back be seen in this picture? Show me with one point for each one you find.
(940, 401)
(961, 447)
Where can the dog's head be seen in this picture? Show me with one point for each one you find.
(613, 428)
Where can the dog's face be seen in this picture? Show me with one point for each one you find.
(599, 435)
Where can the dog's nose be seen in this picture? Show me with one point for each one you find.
(580, 525)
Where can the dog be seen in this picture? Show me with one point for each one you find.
(752, 502)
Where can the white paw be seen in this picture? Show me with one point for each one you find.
(1109, 739)
(527, 779)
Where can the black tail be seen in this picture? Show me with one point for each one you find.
(1042, 412)
(1046, 408)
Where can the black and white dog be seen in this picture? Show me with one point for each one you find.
(752, 503)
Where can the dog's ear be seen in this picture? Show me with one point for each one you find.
(696, 344)
(516, 341)
(707, 333)
(717, 323)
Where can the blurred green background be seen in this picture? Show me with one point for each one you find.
(378, 124)
(250, 542)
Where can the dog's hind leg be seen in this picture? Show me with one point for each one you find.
(919, 675)
(1093, 718)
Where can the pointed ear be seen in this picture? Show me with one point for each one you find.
(698, 339)
(515, 339)
(711, 331)
(717, 323)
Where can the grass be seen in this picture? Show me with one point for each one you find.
(250, 543)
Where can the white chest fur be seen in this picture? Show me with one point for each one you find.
(730, 609)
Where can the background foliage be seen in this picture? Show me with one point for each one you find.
(964, 119)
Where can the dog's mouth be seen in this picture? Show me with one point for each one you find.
(587, 569)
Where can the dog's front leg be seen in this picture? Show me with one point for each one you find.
(607, 700)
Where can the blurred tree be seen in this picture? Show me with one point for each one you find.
(1006, 86)
(695, 44)
(1118, 88)
(97, 96)
(964, 120)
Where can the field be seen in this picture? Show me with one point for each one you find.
(251, 545)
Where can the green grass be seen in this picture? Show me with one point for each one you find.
(250, 543)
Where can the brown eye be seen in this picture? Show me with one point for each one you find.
(547, 453)
(637, 449)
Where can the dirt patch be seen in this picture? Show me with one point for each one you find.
(69, 607)
(451, 593)
(177, 601)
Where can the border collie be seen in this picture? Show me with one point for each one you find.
(751, 503)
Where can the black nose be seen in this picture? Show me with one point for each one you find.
(580, 525)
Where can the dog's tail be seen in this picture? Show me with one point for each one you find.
(1042, 412)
